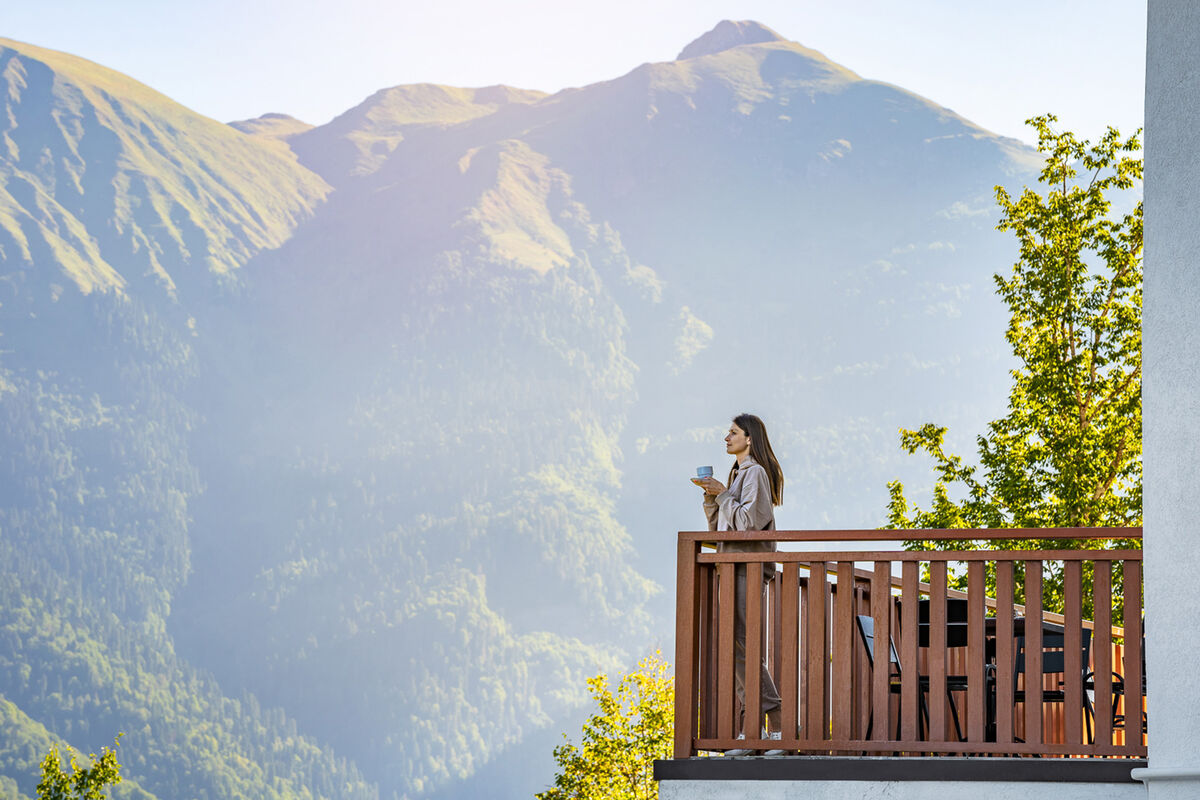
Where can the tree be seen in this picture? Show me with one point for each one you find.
(83, 783)
(620, 742)
(1068, 453)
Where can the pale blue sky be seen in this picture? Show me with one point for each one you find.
(994, 62)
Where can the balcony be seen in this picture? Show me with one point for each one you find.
(960, 681)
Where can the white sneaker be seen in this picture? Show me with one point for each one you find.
(776, 735)
(739, 751)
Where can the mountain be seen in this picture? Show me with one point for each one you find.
(116, 185)
(272, 126)
(393, 456)
(727, 35)
(123, 213)
(508, 327)
(358, 141)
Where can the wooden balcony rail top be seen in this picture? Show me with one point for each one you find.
(915, 534)
(966, 657)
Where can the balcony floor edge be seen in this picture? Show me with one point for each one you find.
(899, 769)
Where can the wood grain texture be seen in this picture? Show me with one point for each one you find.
(815, 646)
(1033, 652)
(843, 652)
(1102, 647)
(1072, 653)
(910, 686)
(976, 696)
(936, 657)
(685, 656)
(1005, 681)
(725, 692)
(789, 674)
(881, 612)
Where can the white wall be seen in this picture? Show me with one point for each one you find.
(1171, 398)
(1171, 394)
(899, 790)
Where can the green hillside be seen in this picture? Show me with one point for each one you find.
(93, 539)
(26, 743)
(111, 184)
(485, 587)
(120, 211)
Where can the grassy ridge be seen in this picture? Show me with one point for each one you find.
(110, 182)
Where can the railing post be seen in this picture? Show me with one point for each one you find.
(881, 611)
(726, 601)
(1102, 647)
(910, 706)
(843, 652)
(1073, 647)
(815, 644)
(1034, 678)
(1132, 587)
(976, 646)
(1005, 686)
(752, 672)
(704, 633)
(937, 650)
(788, 676)
(686, 633)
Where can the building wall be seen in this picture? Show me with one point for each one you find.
(1171, 395)
(897, 790)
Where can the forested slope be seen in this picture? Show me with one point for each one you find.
(339, 485)
(122, 212)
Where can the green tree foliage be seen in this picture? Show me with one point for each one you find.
(1068, 453)
(82, 783)
(632, 728)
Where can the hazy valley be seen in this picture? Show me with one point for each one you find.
(333, 459)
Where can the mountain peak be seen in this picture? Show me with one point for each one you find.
(729, 34)
(271, 126)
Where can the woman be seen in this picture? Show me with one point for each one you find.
(747, 504)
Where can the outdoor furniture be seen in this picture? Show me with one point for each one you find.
(1118, 692)
(956, 636)
(866, 631)
(956, 622)
(1054, 663)
(1050, 631)
(1118, 689)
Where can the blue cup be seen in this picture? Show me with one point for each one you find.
(704, 472)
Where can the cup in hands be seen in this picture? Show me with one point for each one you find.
(701, 474)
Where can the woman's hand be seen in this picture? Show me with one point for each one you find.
(711, 486)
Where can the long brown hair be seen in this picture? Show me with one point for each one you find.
(760, 451)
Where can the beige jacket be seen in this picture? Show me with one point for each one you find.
(744, 506)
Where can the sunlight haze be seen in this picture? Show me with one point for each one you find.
(995, 63)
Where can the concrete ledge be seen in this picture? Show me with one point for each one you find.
(853, 768)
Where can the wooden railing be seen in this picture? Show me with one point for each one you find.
(808, 628)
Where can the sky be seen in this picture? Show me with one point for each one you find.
(996, 63)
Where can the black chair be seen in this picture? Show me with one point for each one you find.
(956, 622)
(1054, 662)
(866, 630)
(1118, 691)
(956, 636)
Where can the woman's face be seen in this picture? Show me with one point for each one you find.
(736, 441)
